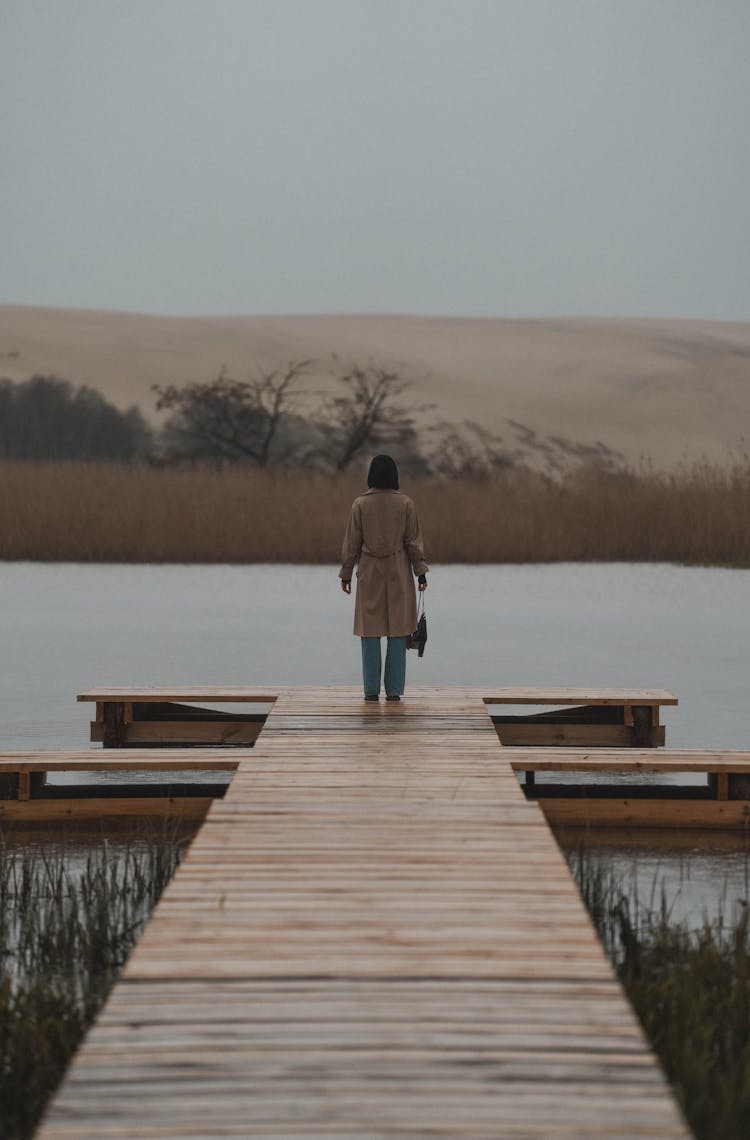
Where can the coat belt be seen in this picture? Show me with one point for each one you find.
(388, 555)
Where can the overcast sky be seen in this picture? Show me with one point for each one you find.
(468, 157)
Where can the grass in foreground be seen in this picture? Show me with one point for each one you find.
(104, 513)
(691, 991)
(66, 928)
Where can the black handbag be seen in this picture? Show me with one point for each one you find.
(418, 639)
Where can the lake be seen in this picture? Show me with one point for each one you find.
(70, 627)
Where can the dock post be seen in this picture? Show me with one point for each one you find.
(113, 716)
(643, 736)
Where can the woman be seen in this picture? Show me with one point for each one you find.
(384, 538)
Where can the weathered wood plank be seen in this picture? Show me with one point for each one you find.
(628, 760)
(202, 693)
(547, 696)
(73, 810)
(658, 814)
(132, 760)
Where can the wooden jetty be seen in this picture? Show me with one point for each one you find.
(610, 733)
(374, 934)
(585, 718)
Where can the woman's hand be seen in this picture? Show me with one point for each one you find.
(346, 585)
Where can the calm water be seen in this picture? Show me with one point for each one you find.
(70, 627)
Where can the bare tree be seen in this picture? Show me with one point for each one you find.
(232, 419)
(370, 413)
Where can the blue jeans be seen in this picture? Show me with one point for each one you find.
(395, 666)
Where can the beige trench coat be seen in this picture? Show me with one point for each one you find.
(384, 538)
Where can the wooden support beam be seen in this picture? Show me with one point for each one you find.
(143, 733)
(642, 732)
(113, 718)
(191, 732)
(544, 734)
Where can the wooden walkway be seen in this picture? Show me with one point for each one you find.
(373, 935)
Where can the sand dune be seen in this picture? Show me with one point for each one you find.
(668, 390)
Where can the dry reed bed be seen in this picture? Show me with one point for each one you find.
(106, 513)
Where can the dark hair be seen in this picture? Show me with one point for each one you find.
(383, 474)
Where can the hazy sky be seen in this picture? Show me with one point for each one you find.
(470, 157)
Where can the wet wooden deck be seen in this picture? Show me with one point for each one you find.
(373, 935)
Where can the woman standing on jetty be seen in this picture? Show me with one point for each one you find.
(384, 538)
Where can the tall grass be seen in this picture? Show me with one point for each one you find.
(691, 991)
(106, 513)
(65, 932)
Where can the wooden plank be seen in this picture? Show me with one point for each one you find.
(664, 814)
(235, 694)
(551, 696)
(132, 760)
(628, 760)
(100, 808)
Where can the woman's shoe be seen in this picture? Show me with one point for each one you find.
(393, 697)
(373, 697)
